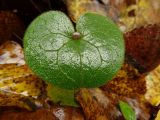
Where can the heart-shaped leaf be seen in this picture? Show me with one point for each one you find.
(86, 56)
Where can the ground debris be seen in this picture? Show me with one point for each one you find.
(128, 82)
(103, 105)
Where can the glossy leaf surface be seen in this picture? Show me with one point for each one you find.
(57, 55)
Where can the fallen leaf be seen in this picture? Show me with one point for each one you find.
(143, 45)
(19, 86)
(128, 82)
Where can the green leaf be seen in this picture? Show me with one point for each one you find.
(127, 111)
(61, 96)
(87, 56)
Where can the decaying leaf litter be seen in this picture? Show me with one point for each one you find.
(127, 21)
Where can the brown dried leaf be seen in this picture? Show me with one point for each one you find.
(143, 45)
(128, 82)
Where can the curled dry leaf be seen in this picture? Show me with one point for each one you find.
(11, 27)
(143, 45)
